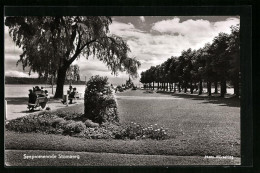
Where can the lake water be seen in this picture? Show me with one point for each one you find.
(14, 90)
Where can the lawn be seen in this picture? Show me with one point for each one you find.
(206, 123)
(197, 126)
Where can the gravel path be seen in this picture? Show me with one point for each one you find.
(17, 107)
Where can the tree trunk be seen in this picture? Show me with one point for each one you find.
(191, 88)
(200, 87)
(179, 87)
(60, 82)
(223, 88)
(236, 88)
(185, 87)
(174, 89)
(153, 85)
(209, 88)
(167, 86)
(163, 86)
(216, 87)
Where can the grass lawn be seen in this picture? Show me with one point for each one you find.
(197, 127)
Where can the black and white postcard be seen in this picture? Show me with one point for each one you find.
(126, 90)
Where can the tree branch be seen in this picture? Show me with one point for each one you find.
(73, 36)
(79, 49)
(92, 41)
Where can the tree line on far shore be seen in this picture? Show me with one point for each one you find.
(215, 63)
(36, 81)
(72, 77)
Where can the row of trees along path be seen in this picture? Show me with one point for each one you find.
(213, 64)
(50, 44)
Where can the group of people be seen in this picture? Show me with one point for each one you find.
(71, 94)
(36, 92)
(39, 92)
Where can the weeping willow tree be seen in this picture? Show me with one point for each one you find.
(51, 43)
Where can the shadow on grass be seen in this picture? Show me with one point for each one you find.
(214, 99)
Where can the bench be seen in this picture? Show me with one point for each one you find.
(66, 98)
(78, 95)
(40, 102)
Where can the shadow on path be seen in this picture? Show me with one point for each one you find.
(17, 101)
(27, 111)
(214, 99)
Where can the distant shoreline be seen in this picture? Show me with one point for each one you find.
(35, 81)
(39, 84)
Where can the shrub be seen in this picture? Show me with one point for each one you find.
(119, 88)
(98, 133)
(70, 116)
(32, 123)
(72, 127)
(89, 123)
(136, 131)
(134, 88)
(57, 122)
(62, 114)
(73, 116)
(99, 103)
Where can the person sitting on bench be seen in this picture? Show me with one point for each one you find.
(70, 88)
(72, 95)
(32, 97)
(37, 88)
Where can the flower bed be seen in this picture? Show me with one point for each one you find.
(65, 123)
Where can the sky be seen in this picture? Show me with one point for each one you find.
(152, 40)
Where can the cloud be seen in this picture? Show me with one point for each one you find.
(197, 32)
(118, 26)
(148, 47)
(224, 26)
(20, 74)
(142, 18)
